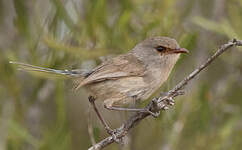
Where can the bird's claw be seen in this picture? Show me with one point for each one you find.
(110, 131)
(154, 114)
(113, 134)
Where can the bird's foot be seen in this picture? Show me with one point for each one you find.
(108, 129)
(113, 133)
(152, 113)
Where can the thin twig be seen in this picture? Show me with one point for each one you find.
(163, 102)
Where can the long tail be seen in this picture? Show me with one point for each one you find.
(31, 68)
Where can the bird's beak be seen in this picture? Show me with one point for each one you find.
(180, 50)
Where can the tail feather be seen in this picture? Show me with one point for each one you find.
(28, 67)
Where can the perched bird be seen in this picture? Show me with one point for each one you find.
(127, 78)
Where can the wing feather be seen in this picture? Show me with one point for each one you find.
(118, 67)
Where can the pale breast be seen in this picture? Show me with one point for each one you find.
(118, 91)
(126, 90)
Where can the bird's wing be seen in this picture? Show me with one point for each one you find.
(121, 66)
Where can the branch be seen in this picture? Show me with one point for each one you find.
(162, 102)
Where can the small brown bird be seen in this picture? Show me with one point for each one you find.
(127, 78)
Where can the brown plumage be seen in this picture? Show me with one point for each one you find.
(128, 77)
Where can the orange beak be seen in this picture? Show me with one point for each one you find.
(180, 50)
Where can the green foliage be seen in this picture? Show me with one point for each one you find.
(37, 113)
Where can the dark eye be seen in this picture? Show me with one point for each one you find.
(160, 48)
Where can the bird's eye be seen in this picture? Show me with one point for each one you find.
(160, 48)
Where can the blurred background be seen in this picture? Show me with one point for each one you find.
(42, 113)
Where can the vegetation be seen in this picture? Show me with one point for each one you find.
(44, 113)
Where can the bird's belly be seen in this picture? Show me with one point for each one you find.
(119, 91)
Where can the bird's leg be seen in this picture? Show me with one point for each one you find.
(108, 129)
(144, 110)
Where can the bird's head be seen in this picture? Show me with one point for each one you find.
(157, 50)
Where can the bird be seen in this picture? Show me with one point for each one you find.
(126, 78)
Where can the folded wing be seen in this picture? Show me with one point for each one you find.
(118, 67)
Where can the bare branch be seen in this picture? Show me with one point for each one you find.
(163, 102)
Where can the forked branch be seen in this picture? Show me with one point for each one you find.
(163, 102)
